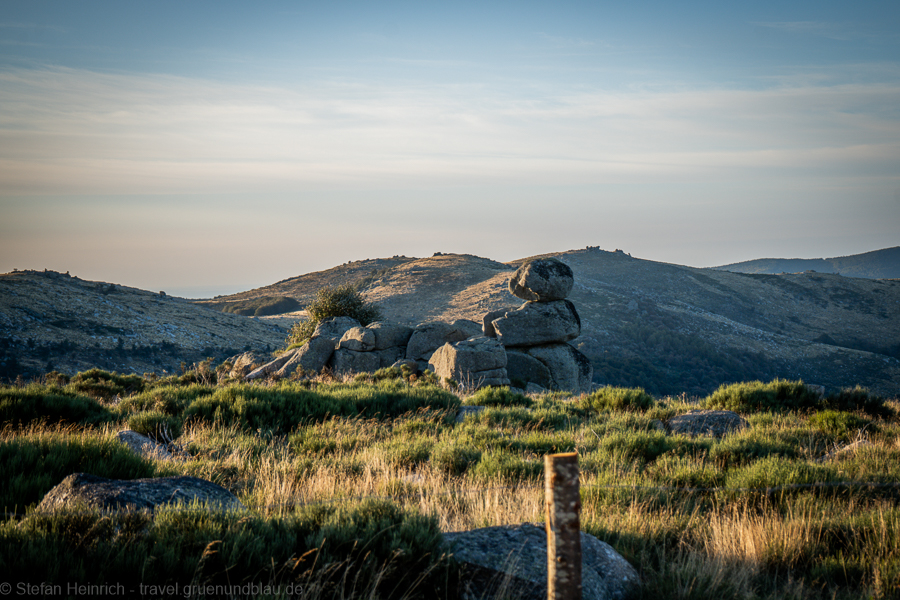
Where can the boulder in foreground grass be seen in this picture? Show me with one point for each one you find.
(512, 559)
(83, 490)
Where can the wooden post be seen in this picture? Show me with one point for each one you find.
(563, 505)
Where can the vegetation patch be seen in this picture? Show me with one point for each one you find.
(341, 301)
(619, 399)
(787, 507)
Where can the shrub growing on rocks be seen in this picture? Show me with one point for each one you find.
(341, 301)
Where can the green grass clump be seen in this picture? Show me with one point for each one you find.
(169, 398)
(103, 384)
(155, 424)
(498, 396)
(779, 395)
(774, 471)
(282, 408)
(50, 405)
(33, 463)
(839, 425)
(618, 398)
(857, 399)
(370, 549)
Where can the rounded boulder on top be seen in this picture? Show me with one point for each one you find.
(542, 280)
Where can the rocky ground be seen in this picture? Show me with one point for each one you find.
(50, 320)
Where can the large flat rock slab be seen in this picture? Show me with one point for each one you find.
(83, 490)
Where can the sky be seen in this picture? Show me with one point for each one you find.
(206, 148)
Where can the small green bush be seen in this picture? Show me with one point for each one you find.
(51, 405)
(644, 446)
(454, 458)
(103, 384)
(503, 466)
(618, 398)
(837, 424)
(341, 301)
(155, 424)
(498, 396)
(370, 549)
(775, 471)
(735, 451)
(858, 398)
(32, 464)
(779, 395)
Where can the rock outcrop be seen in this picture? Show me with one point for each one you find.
(513, 558)
(542, 280)
(473, 363)
(536, 334)
(82, 490)
(537, 323)
(428, 337)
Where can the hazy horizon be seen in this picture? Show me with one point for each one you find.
(214, 146)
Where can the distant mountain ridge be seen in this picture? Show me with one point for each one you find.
(878, 264)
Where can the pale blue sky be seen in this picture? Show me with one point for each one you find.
(206, 148)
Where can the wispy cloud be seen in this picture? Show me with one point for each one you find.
(566, 42)
(72, 131)
(834, 31)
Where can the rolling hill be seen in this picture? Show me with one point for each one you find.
(879, 264)
(669, 328)
(50, 321)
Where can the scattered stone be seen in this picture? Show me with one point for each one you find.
(389, 356)
(310, 357)
(241, 364)
(90, 491)
(472, 363)
(412, 365)
(513, 559)
(358, 339)
(542, 280)
(533, 388)
(716, 423)
(487, 325)
(271, 367)
(143, 446)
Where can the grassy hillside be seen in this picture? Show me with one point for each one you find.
(348, 485)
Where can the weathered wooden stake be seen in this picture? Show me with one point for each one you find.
(563, 505)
